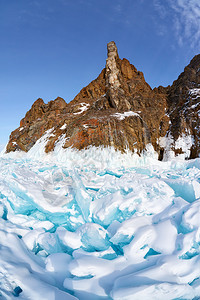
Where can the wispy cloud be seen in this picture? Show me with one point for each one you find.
(160, 8)
(188, 20)
(185, 19)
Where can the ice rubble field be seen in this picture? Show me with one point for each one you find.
(99, 226)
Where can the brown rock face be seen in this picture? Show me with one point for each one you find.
(188, 84)
(183, 101)
(117, 109)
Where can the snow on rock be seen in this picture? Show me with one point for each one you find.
(194, 92)
(63, 127)
(83, 107)
(166, 142)
(126, 115)
(185, 143)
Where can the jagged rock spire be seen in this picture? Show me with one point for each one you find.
(114, 78)
(112, 74)
(112, 69)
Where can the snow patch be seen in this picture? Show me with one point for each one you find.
(63, 127)
(166, 142)
(85, 126)
(185, 143)
(126, 115)
(83, 107)
(194, 92)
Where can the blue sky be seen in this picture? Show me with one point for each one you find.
(51, 48)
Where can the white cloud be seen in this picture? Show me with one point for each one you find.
(185, 18)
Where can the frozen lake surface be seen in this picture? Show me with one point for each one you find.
(89, 229)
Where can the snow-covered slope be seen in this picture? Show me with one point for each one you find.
(96, 224)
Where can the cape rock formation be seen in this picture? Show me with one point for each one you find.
(120, 109)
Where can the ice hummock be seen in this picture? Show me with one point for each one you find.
(97, 224)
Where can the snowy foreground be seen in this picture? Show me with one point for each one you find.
(99, 225)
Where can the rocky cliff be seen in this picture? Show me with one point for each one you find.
(120, 109)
